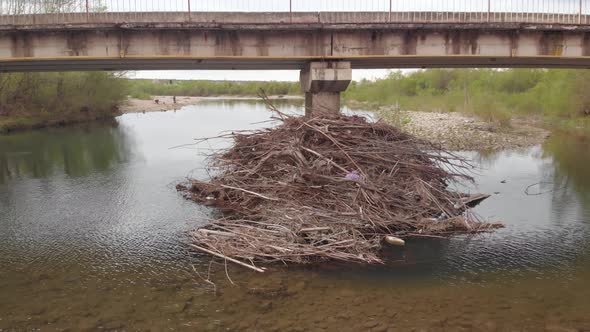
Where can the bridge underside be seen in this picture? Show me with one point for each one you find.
(85, 63)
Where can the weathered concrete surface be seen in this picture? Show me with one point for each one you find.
(182, 44)
(327, 76)
(322, 83)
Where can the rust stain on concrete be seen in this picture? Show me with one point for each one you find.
(551, 43)
(22, 44)
(586, 44)
(227, 42)
(261, 45)
(461, 42)
(76, 42)
(410, 42)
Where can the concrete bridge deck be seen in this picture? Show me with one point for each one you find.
(285, 41)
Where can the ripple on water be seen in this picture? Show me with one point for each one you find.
(92, 231)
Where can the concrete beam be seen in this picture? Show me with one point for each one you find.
(322, 83)
(172, 46)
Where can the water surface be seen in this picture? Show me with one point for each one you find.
(93, 237)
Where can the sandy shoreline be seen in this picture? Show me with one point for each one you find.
(166, 103)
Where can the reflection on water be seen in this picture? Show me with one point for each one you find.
(92, 236)
(78, 151)
(571, 156)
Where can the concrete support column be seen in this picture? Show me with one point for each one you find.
(322, 83)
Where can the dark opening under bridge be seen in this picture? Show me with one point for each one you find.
(324, 38)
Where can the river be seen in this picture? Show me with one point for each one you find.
(93, 237)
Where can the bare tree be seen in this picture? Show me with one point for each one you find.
(20, 7)
(62, 6)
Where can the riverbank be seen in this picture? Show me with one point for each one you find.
(38, 120)
(143, 88)
(166, 103)
(9, 124)
(456, 131)
(39, 100)
(512, 99)
(453, 131)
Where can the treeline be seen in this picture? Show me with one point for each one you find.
(144, 89)
(18, 7)
(29, 100)
(495, 95)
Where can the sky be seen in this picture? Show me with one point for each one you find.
(553, 6)
(245, 75)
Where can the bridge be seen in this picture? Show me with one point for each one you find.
(323, 38)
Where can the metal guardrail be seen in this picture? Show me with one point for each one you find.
(30, 12)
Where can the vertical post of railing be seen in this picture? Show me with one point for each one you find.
(489, 9)
(580, 12)
(389, 18)
(189, 10)
(290, 11)
(87, 11)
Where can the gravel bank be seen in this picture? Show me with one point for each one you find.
(455, 131)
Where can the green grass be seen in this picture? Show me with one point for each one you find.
(140, 95)
(496, 96)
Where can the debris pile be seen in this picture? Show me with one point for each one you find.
(328, 188)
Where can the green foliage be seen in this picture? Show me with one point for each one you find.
(78, 151)
(395, 117)
(38, 99)
(140, 95)
(488, 108)
(493, 95)
(210, 88)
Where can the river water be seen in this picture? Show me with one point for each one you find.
(93, 237)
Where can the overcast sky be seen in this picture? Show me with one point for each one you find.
(552, 6)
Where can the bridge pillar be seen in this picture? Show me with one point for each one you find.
(322, 83)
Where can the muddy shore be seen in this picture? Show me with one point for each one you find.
(166, 103)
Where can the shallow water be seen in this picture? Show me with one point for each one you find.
(92, 237)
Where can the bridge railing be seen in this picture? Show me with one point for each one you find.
(40, 12)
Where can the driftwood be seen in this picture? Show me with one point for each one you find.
(474, 200)
(313, 189)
